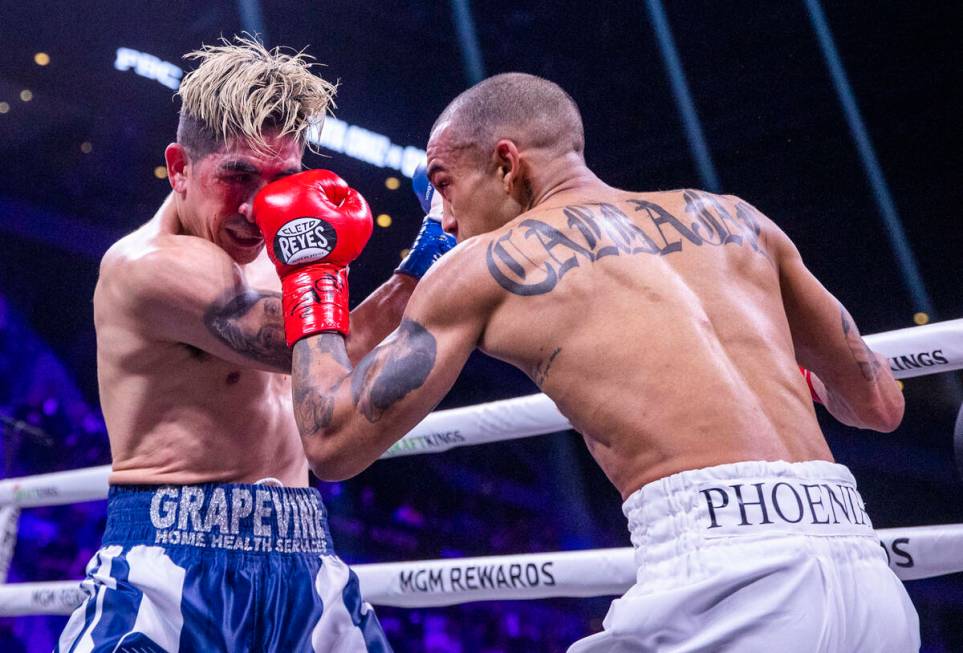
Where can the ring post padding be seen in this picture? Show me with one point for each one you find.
(9, 517)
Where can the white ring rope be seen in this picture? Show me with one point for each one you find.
(918, 552)
(914, 351)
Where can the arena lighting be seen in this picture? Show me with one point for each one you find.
(905, 258)
(26, 95)
(335, 135)
(368, 146)
(384, 220)
(41, 58)
(4, 107)
(683, 98)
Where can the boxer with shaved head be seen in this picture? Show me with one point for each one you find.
(667, 327)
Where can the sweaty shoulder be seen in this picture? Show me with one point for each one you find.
(461, 278)
(149, 269)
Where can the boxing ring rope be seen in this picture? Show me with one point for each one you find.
(915, 351)
(916, 552)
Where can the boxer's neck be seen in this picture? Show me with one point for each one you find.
(560, 177)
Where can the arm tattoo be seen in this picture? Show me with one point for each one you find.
(313, 410)
(251, 324)
(862, 355)
(391, 371)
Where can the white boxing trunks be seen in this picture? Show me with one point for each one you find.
(757, 556)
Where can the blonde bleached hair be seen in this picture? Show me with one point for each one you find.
(241, 88)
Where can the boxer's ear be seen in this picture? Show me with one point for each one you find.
(508, 164)
(176, 157)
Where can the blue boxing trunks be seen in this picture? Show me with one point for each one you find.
(219, 567)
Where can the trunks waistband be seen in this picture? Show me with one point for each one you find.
(751, 498)
(219, 516)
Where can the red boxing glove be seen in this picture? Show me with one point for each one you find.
(809, 381)
(314, 225)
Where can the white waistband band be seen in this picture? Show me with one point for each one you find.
(749, 498)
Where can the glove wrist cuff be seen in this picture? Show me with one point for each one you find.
(808, 375)
(428, 247)
(315, 299)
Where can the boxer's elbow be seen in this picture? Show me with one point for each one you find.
(883, 413)
(888, 413)
(330, 459)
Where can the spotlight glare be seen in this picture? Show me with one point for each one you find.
(26, 95)
(4, 107)
(921, 318)
(41, 58)
(384, 220)
(160, 172)
(404, 252)
(392, 183)
(86, 147)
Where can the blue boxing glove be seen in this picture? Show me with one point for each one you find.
(431, 242)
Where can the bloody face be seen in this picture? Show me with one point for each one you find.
(220, 188)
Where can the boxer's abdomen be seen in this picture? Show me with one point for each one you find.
(193, 419)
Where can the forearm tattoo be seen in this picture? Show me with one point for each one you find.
(595, 231)
(382, 378)
(863, 356)
(251, 324)
(391, 371)
(314, 409)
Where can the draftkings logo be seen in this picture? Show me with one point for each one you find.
(303, 240)
(918, 360)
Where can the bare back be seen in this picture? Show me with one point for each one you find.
(656, 323)
(190, 377)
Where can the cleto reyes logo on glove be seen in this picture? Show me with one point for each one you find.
(304, 239)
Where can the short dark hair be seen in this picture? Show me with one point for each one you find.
(197, 138)
(528, 109)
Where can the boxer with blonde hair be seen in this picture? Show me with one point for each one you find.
(214, 541)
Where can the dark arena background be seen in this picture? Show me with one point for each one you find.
(837, 120)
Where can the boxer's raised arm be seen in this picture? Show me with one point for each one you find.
(348, 417)
(190, 291)
(857, 386)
